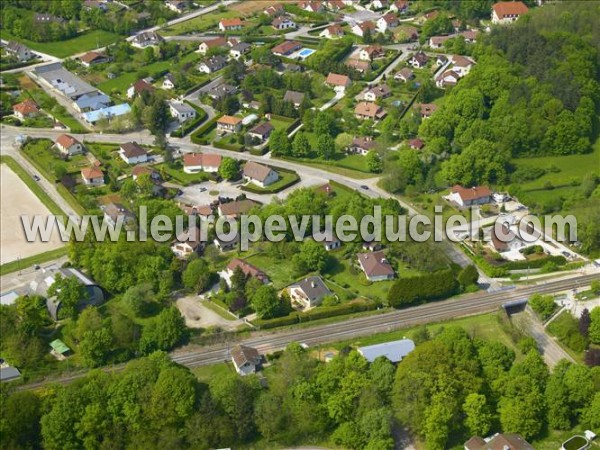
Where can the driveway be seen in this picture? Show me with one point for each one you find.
(197, 315)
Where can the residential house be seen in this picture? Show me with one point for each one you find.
(309, 292)
(361, 145)
(461, 65)
(331, 243)
(399, 6)
(508, 12)
(448, 78)
(499, 441)
(212, 43)
(169, 81)
(470, 36)
(441, 60)
(262, 131)
(197, 210)
(394, 351)
(283, 23)
(358, 65)
(335, 5)
(92, 102)
(115, 212)
(178, 6)
(429, 16)
(372, 246)
(378, 4)
(140, 170)
(8, 373)
(332, 32)
(404, 74)
(231, 24)
(416, 144)
(378, 93)
(201, 162)
(229, 124)
(26, 109)
(294, 97)
(138, 87)
(240, 49)
(213, 64)
(369, 110)
(503, 242)
(248, 269)
(437, 42)
(225, 245)
(187, 243)
(363, 28)
(147, 39)
(95, 5)
(68, 145)
(426, 109)
(371, 52)
(375, 266)
(246, 360)
(233, 210)
(93, 58)
(338, 82)
(133, 153)
(387, 21)
(181, 111)
(418, 60)
(18, 51)
(222, 90)
(275, 10)
(286, 48)
(259, 174)
(92, 176)
(476, 195)
(311, 6)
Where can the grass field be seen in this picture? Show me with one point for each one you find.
(200, 23)
(286, 179)
(179, 176)
(88, 40)
(33, 260)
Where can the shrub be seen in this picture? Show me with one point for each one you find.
(440, 284)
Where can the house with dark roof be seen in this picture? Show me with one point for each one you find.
(133, 153)
(309, 292)
(375, 266)
(248, 269)
(68, 145)
(371, 52)
(259, 174)
(262, 131)
(361, 145)
(418, 60)
(240, 49)
(283, 23)
(213, 64)
(147, 39)
(378, 92)
(426, 109)
(246, 360)
(363, 28)
(18, 51)
(225, 245)
(447, 78)
(233, 210)
(286, 48)
(93, 58)
(294, 97)
(338, 82)
(334, 31)
(404, 74)
(416, 144)
(181, 111)
(222, 90)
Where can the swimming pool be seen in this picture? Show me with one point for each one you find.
(305, 52)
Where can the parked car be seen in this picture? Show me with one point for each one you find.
(36, 178)
(364, 186)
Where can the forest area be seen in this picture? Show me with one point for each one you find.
(451, 387)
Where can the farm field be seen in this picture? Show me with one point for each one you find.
(88, 40)
(17, 200)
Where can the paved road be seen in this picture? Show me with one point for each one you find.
(551, 350)
(265, 342)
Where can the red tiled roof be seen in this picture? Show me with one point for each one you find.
(337, 79)
(90, 173)
(26, 107)
(234, 22)
(503, 9)
(66, 141)
(474, 193)
(375, 264)
(229, 120)
(247, 268)
(91, 56)
(201, 159)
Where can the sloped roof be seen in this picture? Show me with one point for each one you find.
(237, 207)
(336, 79)
(26, 107)
(395, 351)
(262, 129)
(229, 120)
(90, 173)
(92, 56)
(132, 149)
(503, 9)
(66, 140)
(368, 109)
(473, 193)
(242, 354)
(248, 269)
(375, 264)
(256, 171)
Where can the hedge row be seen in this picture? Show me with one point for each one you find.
(188, 126)
(321, 312)
(259, 190)
(231, 147)
(204, 129)
(535, 264)
(433, 286)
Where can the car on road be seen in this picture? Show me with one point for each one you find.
(202, 189)
(566, 254)
(36, 178)
(364, 186)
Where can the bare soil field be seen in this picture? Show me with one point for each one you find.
(251, 6)
(16, 200)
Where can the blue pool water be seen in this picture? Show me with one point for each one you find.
(306, 52)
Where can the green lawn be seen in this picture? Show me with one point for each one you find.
(47, 161)
(33, 260)
(88, 40)
(286, 179)
(281, 274)
(206, 374)
(180, 177)
(200, 23)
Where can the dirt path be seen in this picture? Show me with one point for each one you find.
(199, 316)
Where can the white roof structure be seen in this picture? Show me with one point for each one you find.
(394, 350)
